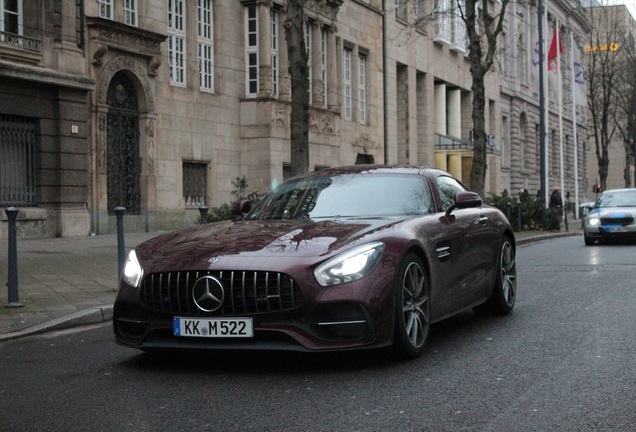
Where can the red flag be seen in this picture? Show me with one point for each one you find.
(552, 53)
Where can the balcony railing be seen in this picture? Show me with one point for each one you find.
(445, 142)
(20, 41)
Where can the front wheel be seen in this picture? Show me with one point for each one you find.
(412, 308)
(502, 299)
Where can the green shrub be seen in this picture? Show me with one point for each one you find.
(525, 212)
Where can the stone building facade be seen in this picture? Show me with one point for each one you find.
(159, 105)
(520, 113)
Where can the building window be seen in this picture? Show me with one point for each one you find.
(130, 12)
(274, 43)
(176, 41)
(459, 35)
(105, 9)
(323, 66)
(308, 41)
(17, 161)
(505, 143)
(251, 51)
(194, 184)
(442, 19)
(362, 88)
(11, 16)
(205, 45)
(401, 8)
(346, 83)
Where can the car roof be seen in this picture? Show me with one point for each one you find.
(374, 169)
(619, 190)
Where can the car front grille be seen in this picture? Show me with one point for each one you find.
(246, 292)
(624, 221)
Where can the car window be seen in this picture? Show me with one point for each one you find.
(617, 199)
(448, 187)
(351, 195)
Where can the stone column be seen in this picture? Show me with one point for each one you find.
(264, 49)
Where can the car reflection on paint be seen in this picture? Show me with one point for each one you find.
(339, 259)
(612, 217)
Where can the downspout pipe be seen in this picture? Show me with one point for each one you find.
(385, 85)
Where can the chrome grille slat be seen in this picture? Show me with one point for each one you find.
(245, 292)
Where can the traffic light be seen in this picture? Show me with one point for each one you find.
(596, 188)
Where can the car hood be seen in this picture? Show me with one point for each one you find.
(249, 242)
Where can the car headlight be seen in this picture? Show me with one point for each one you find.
(593, 221)
(133, 272)
(349, 266)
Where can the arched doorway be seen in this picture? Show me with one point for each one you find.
(124, 165)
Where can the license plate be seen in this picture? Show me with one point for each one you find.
(214, 327)
(617, 229)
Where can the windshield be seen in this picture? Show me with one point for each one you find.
(617, 199)
(351, 195)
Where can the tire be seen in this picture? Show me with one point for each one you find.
(588, 240)
(412, 308)
(502, 299)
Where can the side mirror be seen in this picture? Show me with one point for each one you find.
(465, 199)
(241, 207)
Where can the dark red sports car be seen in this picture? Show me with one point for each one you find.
(339, 259)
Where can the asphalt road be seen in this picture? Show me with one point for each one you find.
(563, 361)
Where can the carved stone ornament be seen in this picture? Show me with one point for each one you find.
(365, 142)
(124, 63)
(101, 144)
(280, 116)
(150, 141)
(123, 37)
(100, 52)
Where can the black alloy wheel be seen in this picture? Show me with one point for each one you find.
(502, 299)
(412, 308)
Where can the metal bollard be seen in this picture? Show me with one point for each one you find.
(12, 284)
(121, 248)
(204, 215)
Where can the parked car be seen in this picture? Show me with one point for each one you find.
(338, 259)
(612, 217)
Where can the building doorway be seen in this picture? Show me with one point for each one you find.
(124, 164)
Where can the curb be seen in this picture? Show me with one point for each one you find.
(94, 315)
(104, 313)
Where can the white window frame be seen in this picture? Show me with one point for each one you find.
(442, 24)
(105, 9)
(308, 42)
(274, 35)
(323, 65)
(205, 44)
(362, 88)
(346, 83)
(18, 13)
(250, 16)
(177, 42)
(131, 12)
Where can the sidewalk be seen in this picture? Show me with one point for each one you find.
(72, 281)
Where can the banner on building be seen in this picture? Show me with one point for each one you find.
(580, 92)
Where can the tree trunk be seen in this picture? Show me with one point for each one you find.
(299, 73)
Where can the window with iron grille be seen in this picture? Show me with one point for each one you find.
(194, 184)
(17, 161)
(251, 51)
